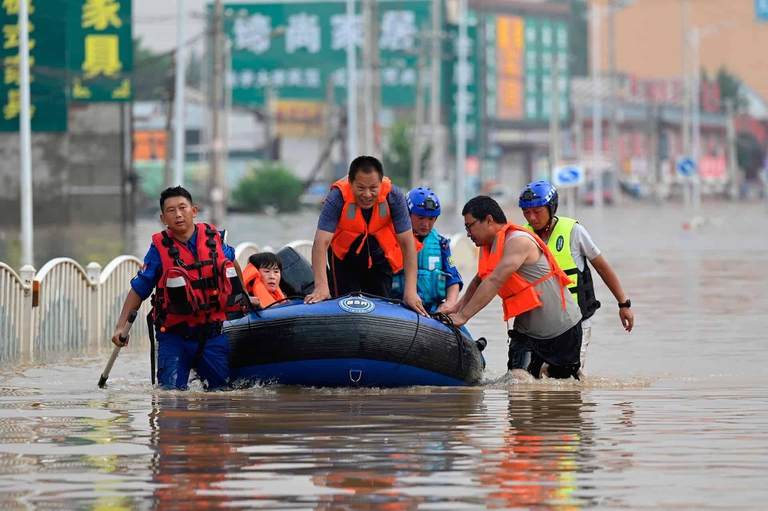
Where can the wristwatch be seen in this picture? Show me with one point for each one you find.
(625, 305)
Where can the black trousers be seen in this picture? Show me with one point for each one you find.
(561, 353)
(352, 274)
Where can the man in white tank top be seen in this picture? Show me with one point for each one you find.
(547, 319)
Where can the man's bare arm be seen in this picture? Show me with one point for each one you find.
(319, 263)
(517, 251)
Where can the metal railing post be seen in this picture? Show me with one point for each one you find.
(94, 309)
(27, 274)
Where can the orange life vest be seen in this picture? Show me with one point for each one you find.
(518, 295)
(419, 244)
(194, 289)
(352, 225)
(255, 286)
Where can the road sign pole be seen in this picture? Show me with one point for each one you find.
(25, 136)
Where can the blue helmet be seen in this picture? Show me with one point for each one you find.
(539, 193)
(423, 201)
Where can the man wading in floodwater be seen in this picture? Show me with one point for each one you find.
(196, 281)
(545, 339)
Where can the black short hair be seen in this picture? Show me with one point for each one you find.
(365, 164)
(265, 260)
(482, 206)
(175, 191)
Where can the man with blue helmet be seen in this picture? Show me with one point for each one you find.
(439, 282)
(572, 247)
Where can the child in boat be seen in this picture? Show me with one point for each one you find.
(262, 278)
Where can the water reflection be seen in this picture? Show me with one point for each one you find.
(544, 446)
(193, 451)
(391, 450)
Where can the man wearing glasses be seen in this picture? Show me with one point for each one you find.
(439, 282)
(545, 339)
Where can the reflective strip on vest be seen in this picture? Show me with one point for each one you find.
(175, 282)
(561, 250)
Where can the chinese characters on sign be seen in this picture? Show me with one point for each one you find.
(298, 48)
(472, 72)
(100, 50)
(47, 72)
(526, 51)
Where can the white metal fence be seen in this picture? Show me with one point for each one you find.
(67, 308)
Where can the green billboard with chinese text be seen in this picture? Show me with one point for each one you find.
(47, 65)
(100, 50)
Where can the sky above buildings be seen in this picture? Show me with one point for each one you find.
(155, 21)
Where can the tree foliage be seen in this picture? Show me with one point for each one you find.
(397, 157)
(152, 73)
(269, 185)
(731, 88)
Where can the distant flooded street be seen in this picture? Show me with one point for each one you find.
(672, 416)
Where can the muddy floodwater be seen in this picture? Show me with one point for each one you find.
(672, 416)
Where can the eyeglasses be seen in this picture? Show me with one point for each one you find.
(469, 225)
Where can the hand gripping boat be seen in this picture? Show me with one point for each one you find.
(350, 341)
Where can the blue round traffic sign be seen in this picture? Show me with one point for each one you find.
(568, 175)
(686, 167)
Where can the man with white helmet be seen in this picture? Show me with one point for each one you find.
(572, 247)
(439, 282)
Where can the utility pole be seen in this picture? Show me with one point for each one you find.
(696, 118)
(732, 156)
(225, 131)
(554, 115)
(167, 174)
(375, 78)
(438, 163)
(270, 125)
(578, 140)
(351, 84)
(461, 107)
(686, 78)
(205, 133)
(554, 134)
(614, 119)
(330, 115)
(179, 131)
(416, 147)
(217, 175)
(25, 137)
(652, 134)
(597, 120)
(578, 133)
(368, 72)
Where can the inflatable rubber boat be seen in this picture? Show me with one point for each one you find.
(350, 341)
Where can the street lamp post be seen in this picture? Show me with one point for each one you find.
(25, 135)
(351, 82)
(596, 15)
(180, 89)
(461, 106)
(694, 40)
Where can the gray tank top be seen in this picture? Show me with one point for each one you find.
(549, 320)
